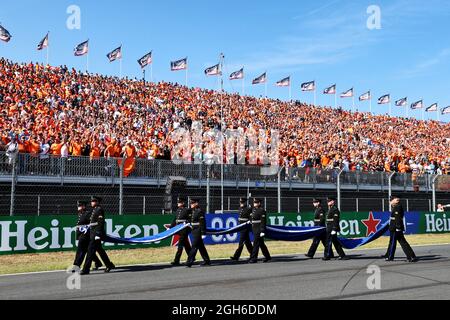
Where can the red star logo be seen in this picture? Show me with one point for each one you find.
(371, 224)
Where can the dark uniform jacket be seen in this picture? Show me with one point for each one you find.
(319, 217)
(397, 216)
(98, 217)
(258, 218)
(244, 214)
(84, 219)
(181, 216)
(333, 219)
(197, 219)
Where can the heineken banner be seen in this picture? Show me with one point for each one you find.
(56, 233)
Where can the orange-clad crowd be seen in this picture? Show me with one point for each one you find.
(58, 111)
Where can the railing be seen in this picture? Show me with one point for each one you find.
(74, 171)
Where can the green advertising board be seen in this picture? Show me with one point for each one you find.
(57, 233)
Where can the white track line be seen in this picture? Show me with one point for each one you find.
(224, 259)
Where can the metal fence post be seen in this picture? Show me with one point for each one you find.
(357, 204)
(208, 186)
(298, 204)
(279, 190)
(39, 205)
(339, 188)
(121, 187)
(143, 206)
(407, 205)
(390, 189)
(13, 186)
(433, 188)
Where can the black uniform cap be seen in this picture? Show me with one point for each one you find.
(181, 200)
(331, 199)
(243, 200)
(81, 203)
(315, 200)
(195, 200)
(257, 200)
(394, 197)
(96, 199)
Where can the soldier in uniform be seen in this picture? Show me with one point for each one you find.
(197, 220)
(83, 236)
(96, 235)
(244, 217)
(333, 227)
(319, 221)
(182, 216)
(258, 219)
(396, 229)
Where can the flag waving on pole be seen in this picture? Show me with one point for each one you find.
(114, 55)
(286, 82)
(385, 99)
(330, 90)
(81, 49)
(261, 79)
(4, 34)
(308, 86)
(43, 44)
(366, 96)
(347, 94)
(432, 108)
(145, 60)
(446, 110)
(178, 65)
(417, 105)
(214, 70)
(402, 102)
(237, 75)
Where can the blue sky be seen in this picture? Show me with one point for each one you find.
(327, 41)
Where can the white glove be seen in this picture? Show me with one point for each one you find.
(203, 237)
(398, 230)
(262, 235)
(97, 238)
(333, 233)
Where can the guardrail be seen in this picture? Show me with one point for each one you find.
(27, 168)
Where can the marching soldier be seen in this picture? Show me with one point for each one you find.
(319, 221)
(197, 220)
(258, 219)
(83, 236)
(244, 217)
(96, 235)
(396, 229)
(333, 227)
(182, 216)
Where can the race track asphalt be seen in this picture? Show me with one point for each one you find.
(285, 278)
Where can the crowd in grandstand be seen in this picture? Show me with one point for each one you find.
(62, 112)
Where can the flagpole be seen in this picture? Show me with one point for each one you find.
(315, 97)
(87, 62)
(390, 107)
(353, 103)
(370, 101)
(335, 99)
(120, 69)
(243, 86)
(186, 76)
(48, 45)
(265, 87)
(151, 72)
(290, 90)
